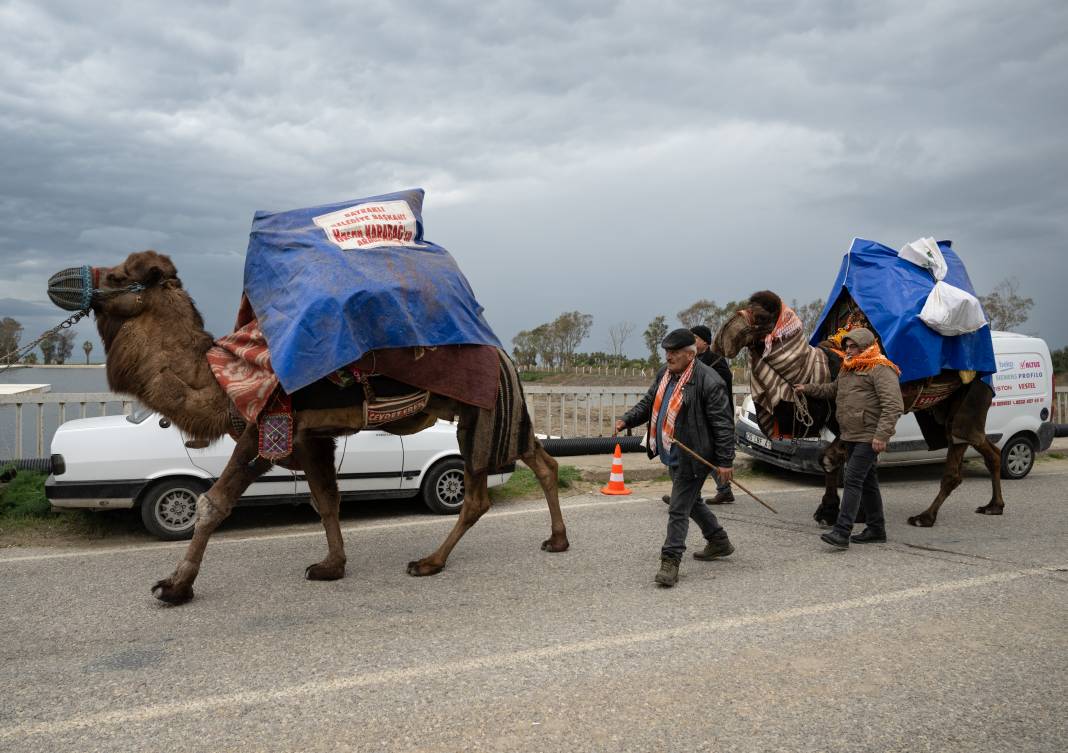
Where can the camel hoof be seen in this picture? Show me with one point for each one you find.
(421, 568)
(990, 509)
(167, 592)
(321, 571)
(555, 544)
(924, 520)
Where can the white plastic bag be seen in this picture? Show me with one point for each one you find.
(948, 310)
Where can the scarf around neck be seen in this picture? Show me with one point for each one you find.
(867, 360)
(674, 403)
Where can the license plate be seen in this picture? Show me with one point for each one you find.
(758, 440)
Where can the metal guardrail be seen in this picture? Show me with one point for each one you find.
(556, 410)
(52, 409)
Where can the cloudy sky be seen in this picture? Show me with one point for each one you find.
(619, 158)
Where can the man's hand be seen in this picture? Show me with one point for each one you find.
(725, 474)
(878, 445)
(799, 389)
(620, 426)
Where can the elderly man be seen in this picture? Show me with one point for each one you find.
(867, 397)
(689, 401)
(703, 337)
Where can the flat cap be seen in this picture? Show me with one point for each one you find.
(678, 338)
(703, 332)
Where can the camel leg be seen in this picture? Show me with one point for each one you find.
(316, 457)
(213, 507)
(951, 479)
(992, 458)
(546, 470)
(832, 460)
(476, 503)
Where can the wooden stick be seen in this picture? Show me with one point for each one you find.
(698, 457)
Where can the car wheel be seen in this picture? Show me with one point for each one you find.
(443, 488)
(169, 508)
(1017, 457)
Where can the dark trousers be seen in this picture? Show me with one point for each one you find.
(861, 489)
(686, 503)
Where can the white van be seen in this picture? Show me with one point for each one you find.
(1020, 422)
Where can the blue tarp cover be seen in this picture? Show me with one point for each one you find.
(891, 291)
(332, 282)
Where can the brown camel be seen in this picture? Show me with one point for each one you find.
(956, 420)
(156, 349)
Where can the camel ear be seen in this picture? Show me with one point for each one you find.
(150, 267)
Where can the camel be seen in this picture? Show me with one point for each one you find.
(957, 420)
(156, 347)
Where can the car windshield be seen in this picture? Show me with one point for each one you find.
(139, 413)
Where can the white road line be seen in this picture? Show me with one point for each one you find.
(501, 660)
(345, 530)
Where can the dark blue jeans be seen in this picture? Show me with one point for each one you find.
(686, 503)
(861, 489)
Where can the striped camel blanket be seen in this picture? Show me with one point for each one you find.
(491, 440)
(788, 359)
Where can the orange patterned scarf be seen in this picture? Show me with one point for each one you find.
(867, 360)
(674, 403)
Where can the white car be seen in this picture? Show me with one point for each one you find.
(141, 460)
(1020, 421)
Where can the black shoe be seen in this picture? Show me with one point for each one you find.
(869, 536)
(666, 499)
(835, 539)
(721, 498)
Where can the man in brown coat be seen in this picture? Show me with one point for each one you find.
(867, 394)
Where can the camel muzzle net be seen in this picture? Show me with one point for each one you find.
(72, 288)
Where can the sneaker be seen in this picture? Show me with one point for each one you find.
(869, 536)
(666, 499)
(668, 575)
(714, 549)
(835, 539)
(721, 498)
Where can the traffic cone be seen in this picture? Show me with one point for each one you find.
(615, 481)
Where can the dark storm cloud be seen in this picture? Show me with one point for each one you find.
(628, 158)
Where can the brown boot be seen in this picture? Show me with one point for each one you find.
(668, 575)
(721, 498)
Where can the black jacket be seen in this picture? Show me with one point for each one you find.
(719, 363)
(705, 422)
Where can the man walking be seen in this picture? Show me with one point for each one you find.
(867, 394)
(703, 336)
(687, 400)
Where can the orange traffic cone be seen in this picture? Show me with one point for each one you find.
(615, 481)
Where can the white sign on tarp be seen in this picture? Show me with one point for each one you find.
(362, 226)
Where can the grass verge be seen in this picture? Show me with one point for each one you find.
(523, 484)
(26, 516)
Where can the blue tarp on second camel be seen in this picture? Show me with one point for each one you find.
(891, 292)
(330, 283)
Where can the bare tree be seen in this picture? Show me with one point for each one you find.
(619, 332)
(808, 313)
(88, 348)
(1005, 309)
(653, 334)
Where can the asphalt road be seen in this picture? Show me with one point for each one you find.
(946, 639)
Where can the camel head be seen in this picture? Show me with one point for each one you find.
(117, 294)
(748, 326)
